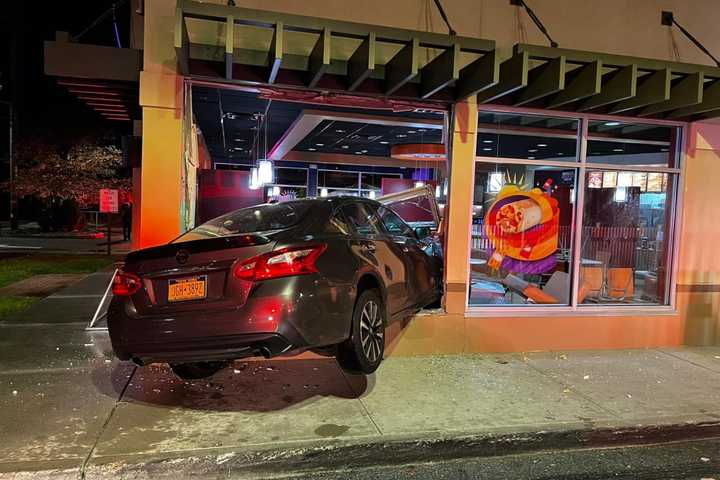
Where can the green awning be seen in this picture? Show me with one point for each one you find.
(234, 44)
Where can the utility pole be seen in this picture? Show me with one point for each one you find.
(13, 219)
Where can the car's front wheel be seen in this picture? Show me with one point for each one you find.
(363, 351)
(197, 370)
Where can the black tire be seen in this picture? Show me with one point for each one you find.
(197, 370)
(363, 351)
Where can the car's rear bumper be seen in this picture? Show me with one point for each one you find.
(228, 347)
(282, 315)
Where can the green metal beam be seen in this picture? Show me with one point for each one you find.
(442, 71)
(182, 42)
(710, 103)
(543, 81)
(581, 83)
(300, 23)
(403, 67)
(616, 86)
(361, 63)
(478, 75)
(275, 54)
(686, 93)
(229, 45)
(539, 52)
(513, 77)
(319, 58)
(654, 88)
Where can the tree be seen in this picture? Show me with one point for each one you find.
(77, 172)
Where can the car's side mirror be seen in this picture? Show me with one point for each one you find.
(422, 232)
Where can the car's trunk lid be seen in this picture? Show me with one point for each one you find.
(208, 260)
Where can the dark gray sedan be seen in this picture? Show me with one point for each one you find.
(272, 279)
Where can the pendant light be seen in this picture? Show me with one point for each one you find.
(265, 166)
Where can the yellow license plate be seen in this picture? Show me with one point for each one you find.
(191, 288)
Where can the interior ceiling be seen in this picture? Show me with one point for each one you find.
(230, 135)
(362, 138)
(225, 118)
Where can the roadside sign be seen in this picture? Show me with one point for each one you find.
(108, 200)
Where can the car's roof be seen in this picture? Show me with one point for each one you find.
(335, 199)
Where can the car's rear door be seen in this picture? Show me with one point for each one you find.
(371, 245)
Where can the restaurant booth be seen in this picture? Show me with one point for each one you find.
(577, 188)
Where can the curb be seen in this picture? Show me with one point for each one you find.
(359, 453)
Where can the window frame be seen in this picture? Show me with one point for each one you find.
(357, 190)
(581, 167)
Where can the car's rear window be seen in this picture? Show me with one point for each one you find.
(260, 218)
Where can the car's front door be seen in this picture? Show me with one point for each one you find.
(419, 282)
(370, 243)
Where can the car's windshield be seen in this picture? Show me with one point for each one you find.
(260, 218)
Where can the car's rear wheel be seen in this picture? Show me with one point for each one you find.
(197, 370)
(363, 351)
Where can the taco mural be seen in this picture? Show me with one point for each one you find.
(522, 226)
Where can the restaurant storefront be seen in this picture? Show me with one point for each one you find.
(578, 186)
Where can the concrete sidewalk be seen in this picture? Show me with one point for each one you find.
(68, 409)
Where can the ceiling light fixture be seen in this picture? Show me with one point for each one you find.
(487, 141)
(254, 183)
(611, 124)
(265, 171)
(542, 144)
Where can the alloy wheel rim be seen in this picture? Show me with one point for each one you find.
(372, 333)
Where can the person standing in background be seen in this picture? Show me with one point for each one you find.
(126, 216)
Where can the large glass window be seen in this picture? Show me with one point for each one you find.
(626, 233)
(527, 247)
(344, 182)
(531, 137)
(522, 234)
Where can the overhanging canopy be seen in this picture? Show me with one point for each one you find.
(268, 48)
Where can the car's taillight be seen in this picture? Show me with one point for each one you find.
(125, 284)
(280, 263)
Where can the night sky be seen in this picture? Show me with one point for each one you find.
(42, 106)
